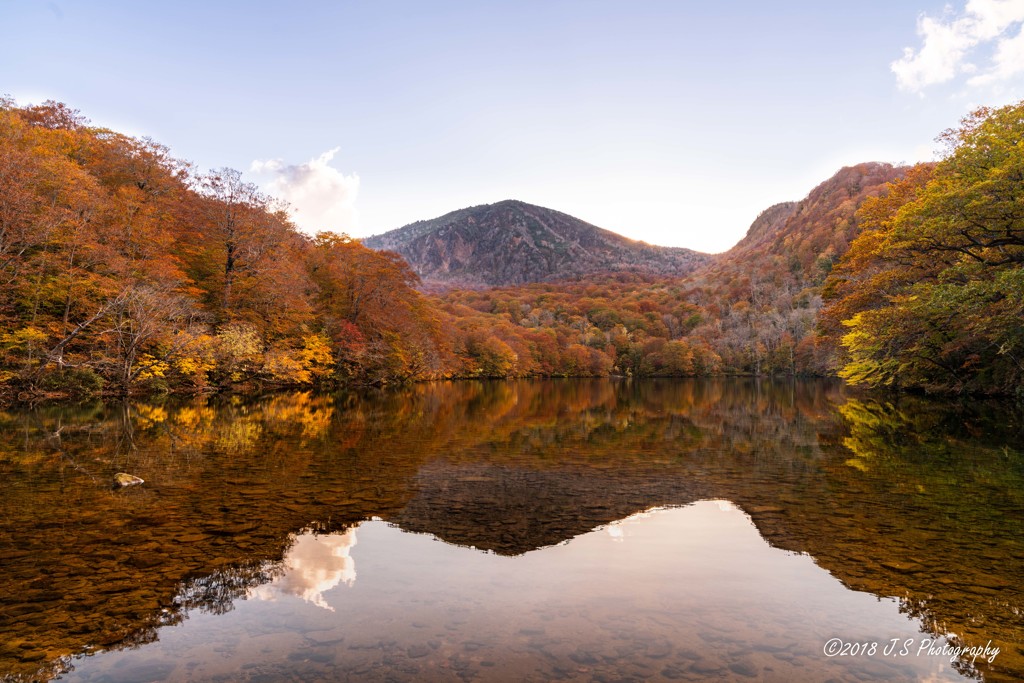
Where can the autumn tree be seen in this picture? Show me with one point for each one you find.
(230, 216)
(368, 305)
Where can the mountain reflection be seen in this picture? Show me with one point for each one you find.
(261, 497)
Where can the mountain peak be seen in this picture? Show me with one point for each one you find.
(512, 242)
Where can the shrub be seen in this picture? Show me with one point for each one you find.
(72, 381)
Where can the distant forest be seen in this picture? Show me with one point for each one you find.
(126, 270)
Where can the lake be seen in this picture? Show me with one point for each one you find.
(579, 530)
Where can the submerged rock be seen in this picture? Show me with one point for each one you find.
(122, 479)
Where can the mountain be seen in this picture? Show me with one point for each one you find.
(513, 243)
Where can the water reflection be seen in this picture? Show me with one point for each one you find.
(589, 609)
(917, 501)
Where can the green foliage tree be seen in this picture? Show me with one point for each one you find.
(931, 294)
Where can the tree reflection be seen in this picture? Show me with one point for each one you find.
(216, 593)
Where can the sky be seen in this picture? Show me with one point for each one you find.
(672, 122)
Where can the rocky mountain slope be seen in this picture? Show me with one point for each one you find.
(814, 231)
(513, 243)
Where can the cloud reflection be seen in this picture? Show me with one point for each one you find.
(314, 565)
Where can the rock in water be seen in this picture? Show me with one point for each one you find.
(122, 479)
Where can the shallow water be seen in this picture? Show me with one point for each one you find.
(562, 530)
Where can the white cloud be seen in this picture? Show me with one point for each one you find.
(1007, 62)
(948, 42)
(321, 196)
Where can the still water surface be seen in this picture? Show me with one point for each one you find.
(559, 530)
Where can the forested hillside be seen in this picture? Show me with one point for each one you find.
(763, 296)
(125, 269)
